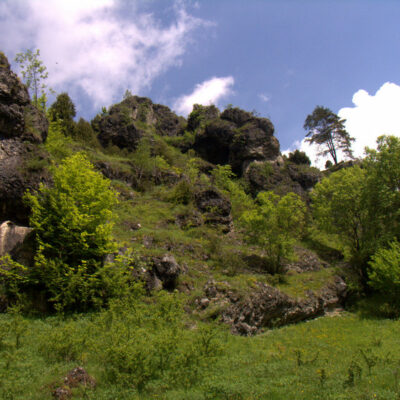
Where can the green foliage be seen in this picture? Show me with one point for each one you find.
(143, 342)
(73, 223)
(13, 276)
(200, 114)
(383, 190)
(63, 110)
(275, 224)
(326, 129)
(148, 169)
(34, 74)
(384, 272)
(362, 205)
(299, 157)
(339, 207)
(85, 133)
(223, 178)
(57, 144)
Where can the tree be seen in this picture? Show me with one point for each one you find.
(73, 222)
(275, 224)
(299, 157)
(338, 206)
(63, 110)
(326, 129)
(34, 74)
(362, 205)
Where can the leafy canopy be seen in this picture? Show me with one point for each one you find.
(326, 129)
(339, 208)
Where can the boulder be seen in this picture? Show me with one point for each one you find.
(215, 207)
(165, 270)
(11, 236)
(18, 117)
(18, 241)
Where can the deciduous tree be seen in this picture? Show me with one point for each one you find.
(34, 75)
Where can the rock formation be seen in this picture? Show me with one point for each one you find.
(216, 208)
(234, 137)
(18, 117)
(268, 307)
(124, 124)
(22, 126)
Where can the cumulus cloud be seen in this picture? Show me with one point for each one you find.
(205, 93)
(93, 45)
(370, 117)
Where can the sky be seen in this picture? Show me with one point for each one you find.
(279, 58)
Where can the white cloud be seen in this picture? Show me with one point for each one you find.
(92, 45)
(208, 92)
(263, 97)
(371, 117)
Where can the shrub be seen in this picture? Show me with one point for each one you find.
(275, 224)
(384, 271)
(73, 220)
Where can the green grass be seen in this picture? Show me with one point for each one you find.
(326, 358)
(296, 285)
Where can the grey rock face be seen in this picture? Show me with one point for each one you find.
(268, 307)
(18, 117)
(235, 137)
(216, 208)
(16, 178)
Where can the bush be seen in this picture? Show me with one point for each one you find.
(275, 224)
(384, 271)
(73, 220)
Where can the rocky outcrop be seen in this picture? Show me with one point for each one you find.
(235, 137)
(123, 125)
(17, 176)
(268, 307)
(215, 207)
(21, 126)
(282, 177)
(18, 117)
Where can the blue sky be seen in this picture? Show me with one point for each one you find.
(279, 58)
